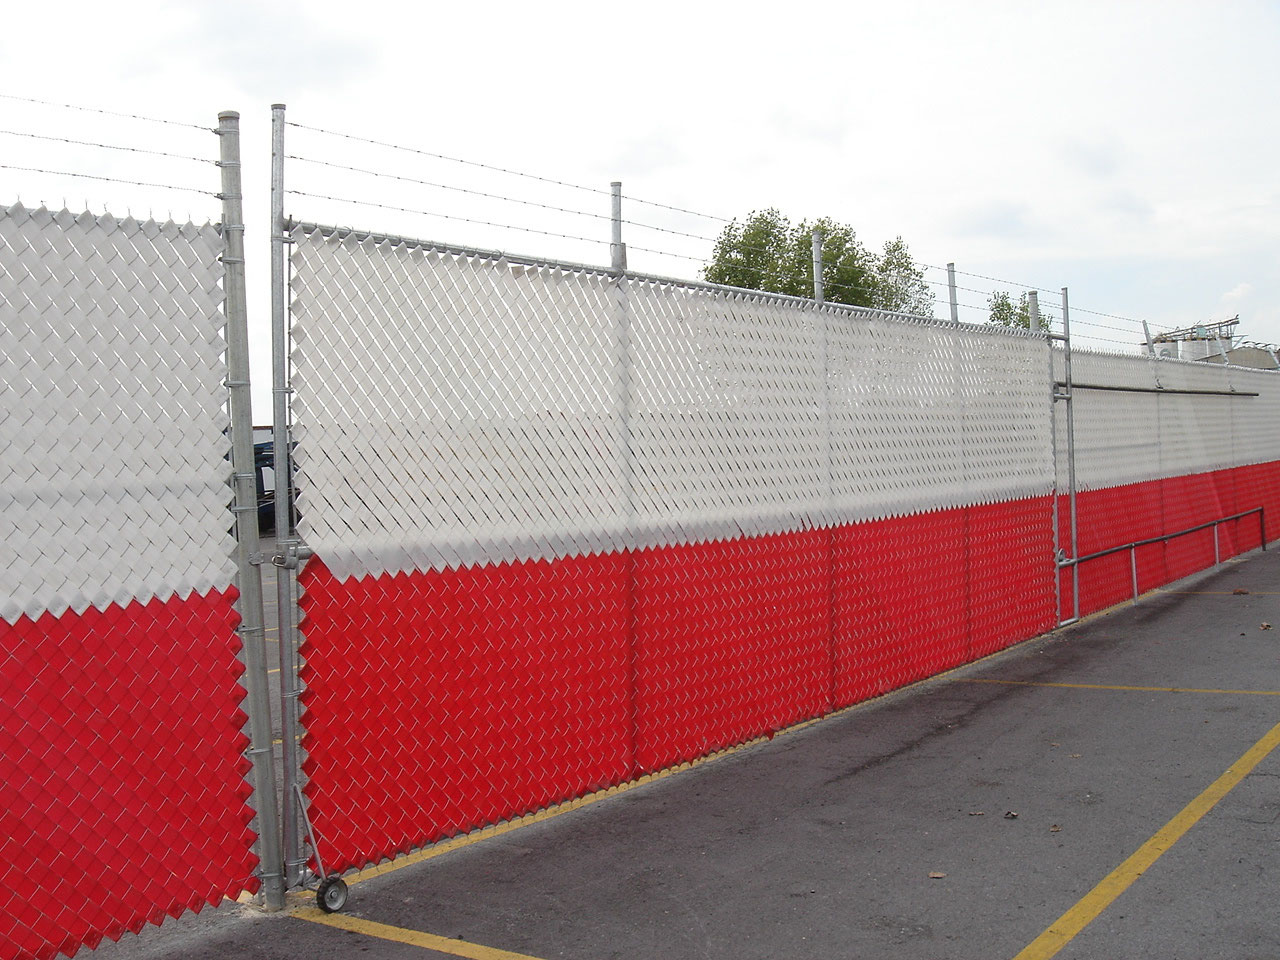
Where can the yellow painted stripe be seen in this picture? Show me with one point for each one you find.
(414, 938)
(1062, 930)
(1221, 593)
(1110, 686)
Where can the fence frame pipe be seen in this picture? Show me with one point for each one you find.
(287, 555)
(248, 549)
(1164, 538)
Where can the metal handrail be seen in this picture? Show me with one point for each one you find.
(1064, 562)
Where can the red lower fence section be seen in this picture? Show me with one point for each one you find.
(439, 702)
(1119, 515)
(121, 758)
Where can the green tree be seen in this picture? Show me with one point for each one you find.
(1006, 313)
(766, 251)
(900, 283)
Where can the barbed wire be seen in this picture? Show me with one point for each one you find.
(1100, 326)
(505, 170)
(665, 206)
(107, 146)
(443, 216)
(944, 283)
(597, 216)
(91, 176)
(107, 113)
(1016, 284)
(1099, 313)
(667, 253)
(442, 156)
(492, 196)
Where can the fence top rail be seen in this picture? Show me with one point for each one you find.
(328, 230)
(1261, 511)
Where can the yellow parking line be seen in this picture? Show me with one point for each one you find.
(414, 938)
(1065, 928)
(1220, 593)
(1109, 686)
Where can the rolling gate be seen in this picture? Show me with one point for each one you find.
(561, 526)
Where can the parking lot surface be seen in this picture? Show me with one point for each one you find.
(1110, 790)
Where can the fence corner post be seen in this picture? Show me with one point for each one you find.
(252, 623)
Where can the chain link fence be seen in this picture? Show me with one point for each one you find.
(572, 527)
(1162, 446)
(561, 526)
(120, 699)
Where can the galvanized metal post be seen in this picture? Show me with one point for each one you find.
(617, 249)
(1033, 312)
(1071, 449)
(248, 550)
(625, 367)
(1146, 332)
(825, 317)
(1053, 446)
(286, 555)
(1133, 570)
(951, 292)
(818, 289)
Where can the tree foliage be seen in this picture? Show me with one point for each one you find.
(765, 251)
(1006, 313)
(901, 285)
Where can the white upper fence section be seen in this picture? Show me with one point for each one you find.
(1140, 418)
(113, 484)
(455, 408)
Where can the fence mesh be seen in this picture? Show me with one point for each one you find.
(120, 725)
(570, 527)
(1162, 446)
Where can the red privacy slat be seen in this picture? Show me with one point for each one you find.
(438, 702)
(124, 801)
(1010, 559)
(900, 608)
(1139, 511)
(441, 701)
(732, 640)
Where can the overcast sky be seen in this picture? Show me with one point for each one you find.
(1126, 151)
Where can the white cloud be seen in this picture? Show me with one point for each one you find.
(1119, 149)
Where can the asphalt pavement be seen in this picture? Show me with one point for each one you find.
(1109, 790)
